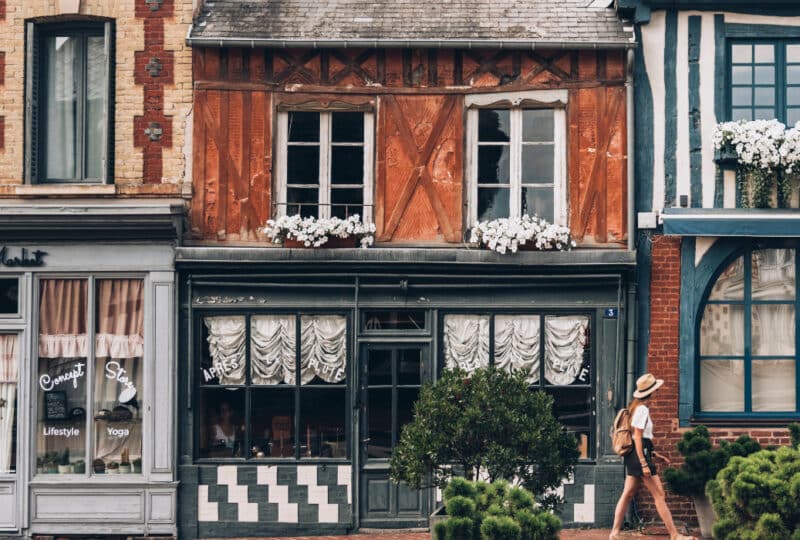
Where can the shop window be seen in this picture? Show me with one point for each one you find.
(9, 366)
(375, 321)
(324, 164)
(553, 351)
(264, 394)
(516, 163)
(90, 358)
(748, 361)
(765, 81)
(9, 296)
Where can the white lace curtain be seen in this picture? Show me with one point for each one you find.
(323, 348)
(517, 344)
(8, 392)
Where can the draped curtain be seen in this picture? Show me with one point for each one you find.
(8, 392)
(565, 339)
(226, 342)
(272, 349)
(466, 341)
(516, 344)
(62, 318)
(323, 348)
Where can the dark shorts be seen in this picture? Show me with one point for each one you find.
(632, 465)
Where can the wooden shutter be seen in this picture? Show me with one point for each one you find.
(108, 146)
(31, 104)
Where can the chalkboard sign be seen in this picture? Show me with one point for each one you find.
(55, 405)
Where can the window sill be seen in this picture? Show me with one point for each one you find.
(744, 422)
(66, 190)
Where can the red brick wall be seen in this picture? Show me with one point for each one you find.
(663, 362)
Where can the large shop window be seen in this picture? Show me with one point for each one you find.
(9, 366)
(69, 102)
(765, 81)
(91, 375)
(554, 351)
(273, 386)
(516, 163)
(324, 164)
(748, 361)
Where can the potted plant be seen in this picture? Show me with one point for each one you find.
(113, 468)
(527, 233)
(51, 463)
(125, 464)
(99, 466)
(39, 465)
(701, 463)
(297, 231)
(79, 467)
(63, 463)
(137, 465)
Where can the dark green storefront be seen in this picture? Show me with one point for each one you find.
(266, 448)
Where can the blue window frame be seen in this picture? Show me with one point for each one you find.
(748, 352)
(764, 80)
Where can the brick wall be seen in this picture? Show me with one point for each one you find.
(663, 362)
(169, 93)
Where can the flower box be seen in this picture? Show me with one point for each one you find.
(521, 234)
(310, 232)
(334, 242)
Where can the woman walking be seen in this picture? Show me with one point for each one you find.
(639, 466)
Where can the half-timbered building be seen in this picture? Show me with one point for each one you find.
(299, 366)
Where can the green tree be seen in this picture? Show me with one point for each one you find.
(487, 422)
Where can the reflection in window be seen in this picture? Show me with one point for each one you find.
(9, 296)
(747, 329)
(9, 369)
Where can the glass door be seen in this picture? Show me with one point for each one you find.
(390, 380)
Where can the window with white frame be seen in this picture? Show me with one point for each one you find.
(516, 162)
(324, 163)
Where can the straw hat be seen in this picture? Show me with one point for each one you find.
(646, 385)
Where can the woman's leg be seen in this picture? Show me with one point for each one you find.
(631, 485)
(656, 489)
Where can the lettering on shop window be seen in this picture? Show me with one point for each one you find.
(115, 371)
(25, 257)
(119, 433)
(50, 431)
(222, 367)
(47, 383)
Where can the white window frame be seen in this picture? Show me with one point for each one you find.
(516, 102)
(325, 144)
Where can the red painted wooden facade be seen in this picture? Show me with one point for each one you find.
(418, 97)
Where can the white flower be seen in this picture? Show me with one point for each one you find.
(507, 234)
(757, 143)
(315, 232)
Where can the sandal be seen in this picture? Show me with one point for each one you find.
(684, 537)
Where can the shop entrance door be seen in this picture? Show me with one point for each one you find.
(390, 379)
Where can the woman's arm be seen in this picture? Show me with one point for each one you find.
(639, 446)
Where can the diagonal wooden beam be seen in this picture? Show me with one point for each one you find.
(214, 130)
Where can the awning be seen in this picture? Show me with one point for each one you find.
(782, 223)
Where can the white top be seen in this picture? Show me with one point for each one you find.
(641, 420)
(221, 438)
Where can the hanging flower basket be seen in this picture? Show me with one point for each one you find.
(526, 234)
(298, 232)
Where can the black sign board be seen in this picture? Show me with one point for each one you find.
(55, 405)
(21, 257)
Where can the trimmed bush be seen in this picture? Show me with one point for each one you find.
(500, 528)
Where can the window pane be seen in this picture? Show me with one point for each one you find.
(774, 387)
(742, 96)
(493, 203)
(466, 341)
(792, 116)
(537, 125)
(347, 127)
(793, 95)
(62, 76)
(322, 422)
(764, 74)
(223, 360)
(221, 420)
(347, 164)
(573, 408)
(302, 201)
(95, 106)
(394, 320)
(409, 362)
(302, 164)
(764, 114)
(323, 349)
(517, 344)
(722, 385)
(722, 330)
(742, 75)
(119, 372)
(347, 202)
(742, 114)
(539, 201)
(773, 329)
(742, 53)
(793, 53)
(566, 350)
(773, 274)
(61, 426)
(493, 165)
(272, 349)
(379, 369)
(764, 54)
(765, 96)
(538, 164)
(9, 296)
(730, 284)
(272, 423)
(9, 368)
(303, 127)
(379, 419)
(406, 397)
(494, 125)
(793, 74)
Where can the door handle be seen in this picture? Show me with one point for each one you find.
(366, 440)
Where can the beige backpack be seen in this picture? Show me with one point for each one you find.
(621, 433)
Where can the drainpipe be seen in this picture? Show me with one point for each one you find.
(631, 315)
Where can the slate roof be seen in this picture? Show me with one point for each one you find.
(268, 22)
